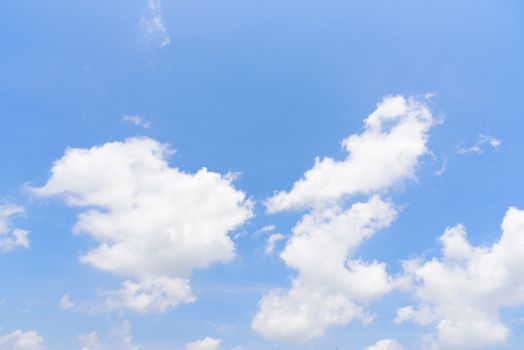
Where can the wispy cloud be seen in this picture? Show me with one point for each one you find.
(118, 338)
(136, 120)
(11, 238)
(66, 303)
(479, 146)
(153, 24)
(272, 241)
(443, 167)
(264, 230)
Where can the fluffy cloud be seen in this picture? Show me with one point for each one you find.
(463, 291)
(386, 152)
(20, 340)
(207, 343)
(386, 344)
(119, 338)
(153, 24)
(325, 291)
(331, 283)
(11, 238)
(478, 147)
(153, 223)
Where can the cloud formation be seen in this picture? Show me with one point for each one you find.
(66, 303)
(153, 24)
(386, 344)
(329, 284)
(118, 338)
(20, 340)
(271, 242)
(136, 120)
(206, 343)
(10, 237)
(463, 291)
(332, 283)
(153, 223)
(479, 146)
(385, 153)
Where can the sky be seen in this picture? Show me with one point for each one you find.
(251, 175)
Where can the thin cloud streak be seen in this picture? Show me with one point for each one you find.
(153, 24)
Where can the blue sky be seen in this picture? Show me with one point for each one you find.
(255, 90)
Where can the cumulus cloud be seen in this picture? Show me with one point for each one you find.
(207, 343)
(20, 340)
(153, 24)
(386, 344)
(153, 223)
(479, 146)
(10, 237)
(136, 120)
(118, 338)
(328, 285)
(463, 291)
(332, 283)
(386, 152)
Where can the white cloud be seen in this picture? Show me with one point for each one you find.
(156, 295)
(386, 344)
(152, 222)
(272, 241)
(265, 229)
(66, 303)
(332, 283)
(118, 338)
(443, 167)
(136, 120)
(207, 343)
(90, 341)
(422, 315)
(463, 291)
(11, 238)
(386, 152)
(153, 24)
(478, 147)
(329, 285)
(20, 340)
